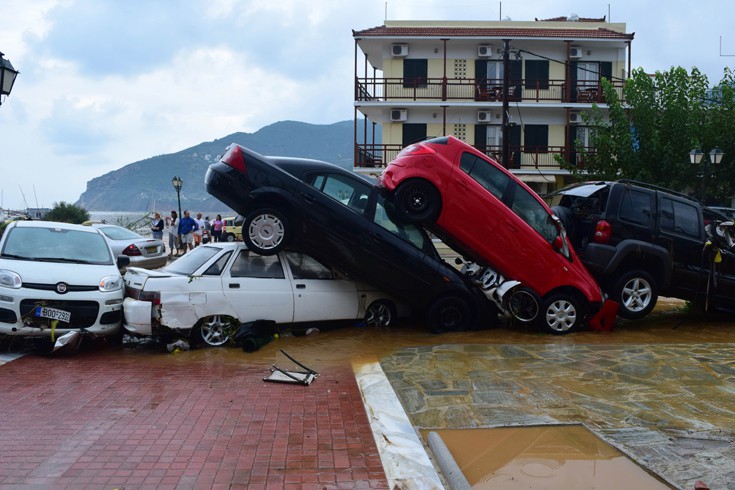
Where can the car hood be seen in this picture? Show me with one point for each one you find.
(53, 272)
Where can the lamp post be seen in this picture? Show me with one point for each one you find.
(178, 183)
(696, 156)
(7, 77)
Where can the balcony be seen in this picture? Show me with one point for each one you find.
(521, 157)
(481, 90)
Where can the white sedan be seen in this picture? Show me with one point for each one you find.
(211, 290)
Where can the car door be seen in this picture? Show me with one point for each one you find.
(258, 289)
(318, 294)
(396, 257)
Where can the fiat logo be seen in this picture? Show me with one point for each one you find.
(62, 287)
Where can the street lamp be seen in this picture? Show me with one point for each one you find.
(696, 156)
(7, 77)
(178, 183)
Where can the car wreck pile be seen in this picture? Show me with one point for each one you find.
(321, 244)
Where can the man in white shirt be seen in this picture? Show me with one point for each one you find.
(198, 231)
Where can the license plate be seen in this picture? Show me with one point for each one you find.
(151, 250)
(53, 314)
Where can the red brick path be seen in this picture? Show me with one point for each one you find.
(114, 419)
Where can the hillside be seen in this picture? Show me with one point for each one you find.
(137, 186)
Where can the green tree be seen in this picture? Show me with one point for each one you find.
(67, 213)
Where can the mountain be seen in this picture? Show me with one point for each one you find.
(141, 185)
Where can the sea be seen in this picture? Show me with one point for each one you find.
(139, 221)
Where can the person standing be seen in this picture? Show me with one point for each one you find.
(199, 230)
(217, 225)
(187, 227)
(157, 226)
(173, 233)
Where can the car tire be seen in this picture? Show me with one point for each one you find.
(636, 293)
(561, 313)
(524, 305)
(229, 237)
(417, 201)
(449, 314)
(214, 330)
(380, 313)
(266, 231)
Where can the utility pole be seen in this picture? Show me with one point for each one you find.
(506, 105)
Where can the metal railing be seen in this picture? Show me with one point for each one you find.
(485, 90)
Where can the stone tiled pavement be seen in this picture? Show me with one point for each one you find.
(671, 407)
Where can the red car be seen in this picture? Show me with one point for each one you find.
(484, 212)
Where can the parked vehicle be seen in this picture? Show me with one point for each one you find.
(727, 212)
(232, 230)
(642, 241)
(483, 211)
(210, 291)
(339, 218)
(148, 253)
(57, 278)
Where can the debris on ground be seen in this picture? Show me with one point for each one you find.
(178, 346)
(279, 375)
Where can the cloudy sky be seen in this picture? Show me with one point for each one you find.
(105, 83)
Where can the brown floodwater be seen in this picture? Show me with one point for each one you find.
(567, 457)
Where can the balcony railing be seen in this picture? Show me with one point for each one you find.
(486, 90)
(521, 157)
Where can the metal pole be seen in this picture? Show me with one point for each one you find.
(506, 105)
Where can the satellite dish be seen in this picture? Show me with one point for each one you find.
(507, 19)
(573, 18)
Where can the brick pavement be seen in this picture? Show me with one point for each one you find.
(101, 421)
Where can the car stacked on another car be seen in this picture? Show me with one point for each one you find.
(483, 211)
(57, 278)
(209, 292)
(148, 253)
(642, 241)
(341, 219)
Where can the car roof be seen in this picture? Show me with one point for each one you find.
(52, 224)
(582, 189)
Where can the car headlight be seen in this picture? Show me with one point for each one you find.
(111, 283)
(10, 279)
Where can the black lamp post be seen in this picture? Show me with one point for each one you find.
(696, 156)
(178, 183)
(7, 77)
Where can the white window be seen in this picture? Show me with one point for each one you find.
(588, 75)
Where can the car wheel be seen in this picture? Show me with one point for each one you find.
(636, 292)
(214, 330)
(449, 314)
(229, 237)
(266, 231)
(417, 201)
(561, 313)
(524, 304)
(380, 313)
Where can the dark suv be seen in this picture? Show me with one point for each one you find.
(641, 241)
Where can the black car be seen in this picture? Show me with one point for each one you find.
(340, 218)
(642, 241)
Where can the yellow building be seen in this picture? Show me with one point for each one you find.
(515, 90)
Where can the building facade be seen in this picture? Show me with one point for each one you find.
(515, 90)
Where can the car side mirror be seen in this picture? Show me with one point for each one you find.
(122, 261)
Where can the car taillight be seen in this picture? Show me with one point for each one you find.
(132, 251)
(417, 149)
(153, 296)
(602, 232)
(235, 159)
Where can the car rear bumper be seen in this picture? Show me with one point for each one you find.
(138, 316)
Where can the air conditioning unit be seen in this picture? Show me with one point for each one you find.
(575, 52)
(399, 50)
(484, 50)
(398, 115)
(575, 117)
(484, 116)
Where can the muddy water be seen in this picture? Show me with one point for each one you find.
(548, 457)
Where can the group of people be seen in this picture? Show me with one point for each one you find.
(186, 233)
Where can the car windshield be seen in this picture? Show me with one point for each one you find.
(190, 262)
(411, 233)
(52, 244)
(119, 233)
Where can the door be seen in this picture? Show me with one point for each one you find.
(258, 289)
(682, 228)
(318, 294)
